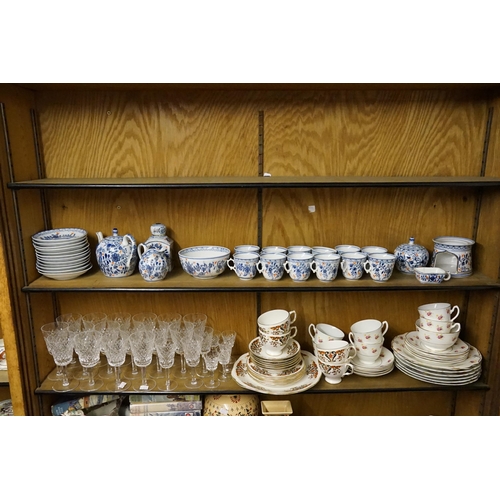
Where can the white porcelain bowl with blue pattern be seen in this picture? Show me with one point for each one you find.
(204, 262)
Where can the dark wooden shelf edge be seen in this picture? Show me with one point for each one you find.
(257, 182)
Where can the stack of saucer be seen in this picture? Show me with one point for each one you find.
(456, 365)
(62, 254)
(382, 366)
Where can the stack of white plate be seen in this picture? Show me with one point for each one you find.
(62, 254)
(383, 365)
(457, 365)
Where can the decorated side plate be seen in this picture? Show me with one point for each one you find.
(311, 377)
(64, 234)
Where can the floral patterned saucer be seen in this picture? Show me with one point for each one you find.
(311, 377)
(382, 366)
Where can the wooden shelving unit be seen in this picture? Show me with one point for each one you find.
(262, 164)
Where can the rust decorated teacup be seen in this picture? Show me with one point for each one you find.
(276, 321)
(274, 343)
(335, 372)
(338, 351)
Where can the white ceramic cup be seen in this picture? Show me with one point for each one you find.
(299, 249)
(276, 321)
(335, 372)
(325, 333)
(347, 248)
(318, 249)
(373, 249)
(368, 353)
(436, 341)
(440, 311)
(246, 248)
(369, 330)
(365, 339)
(434, 325)
(274, 344)
(338, 351)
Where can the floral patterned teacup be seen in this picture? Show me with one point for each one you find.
(272, 265)
(298, 266)
(436, 341)
(380, 266)
(438, 326)
(244, 264)
(441, 311)
(369, 331)
(368, 353)
(352, 265)
(325, 266)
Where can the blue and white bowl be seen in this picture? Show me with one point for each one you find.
(204, 262)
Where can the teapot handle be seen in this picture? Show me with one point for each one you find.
(130, 242)
(141, 248)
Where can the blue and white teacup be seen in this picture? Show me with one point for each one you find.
(380, 266)
(298, 266)
(244, 264)
(272, 265)
(352, 265)
(325, 266)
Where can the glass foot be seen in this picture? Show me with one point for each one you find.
(58, 386)
(138, 386)
(124, 385)
(85, 386)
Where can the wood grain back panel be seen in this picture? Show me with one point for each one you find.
(385, 217)
(374, 133)
(148, 134)
(225, 217)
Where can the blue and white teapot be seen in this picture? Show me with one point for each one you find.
(116, 255)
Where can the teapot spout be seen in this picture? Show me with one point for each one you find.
(99, 236)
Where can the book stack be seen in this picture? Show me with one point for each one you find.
(165, 405)
(88, 405)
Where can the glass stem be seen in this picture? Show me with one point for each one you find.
(158, 367)
(183, 364)
(109, 370)
(59, 371)
(117, 375)
(193, 375)
(167, 385)
(134, 367)
(143, 375)
(64, 374)
(91, 377)
(212, 378)
(204, 370)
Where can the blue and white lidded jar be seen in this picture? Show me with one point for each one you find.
(409, 256)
